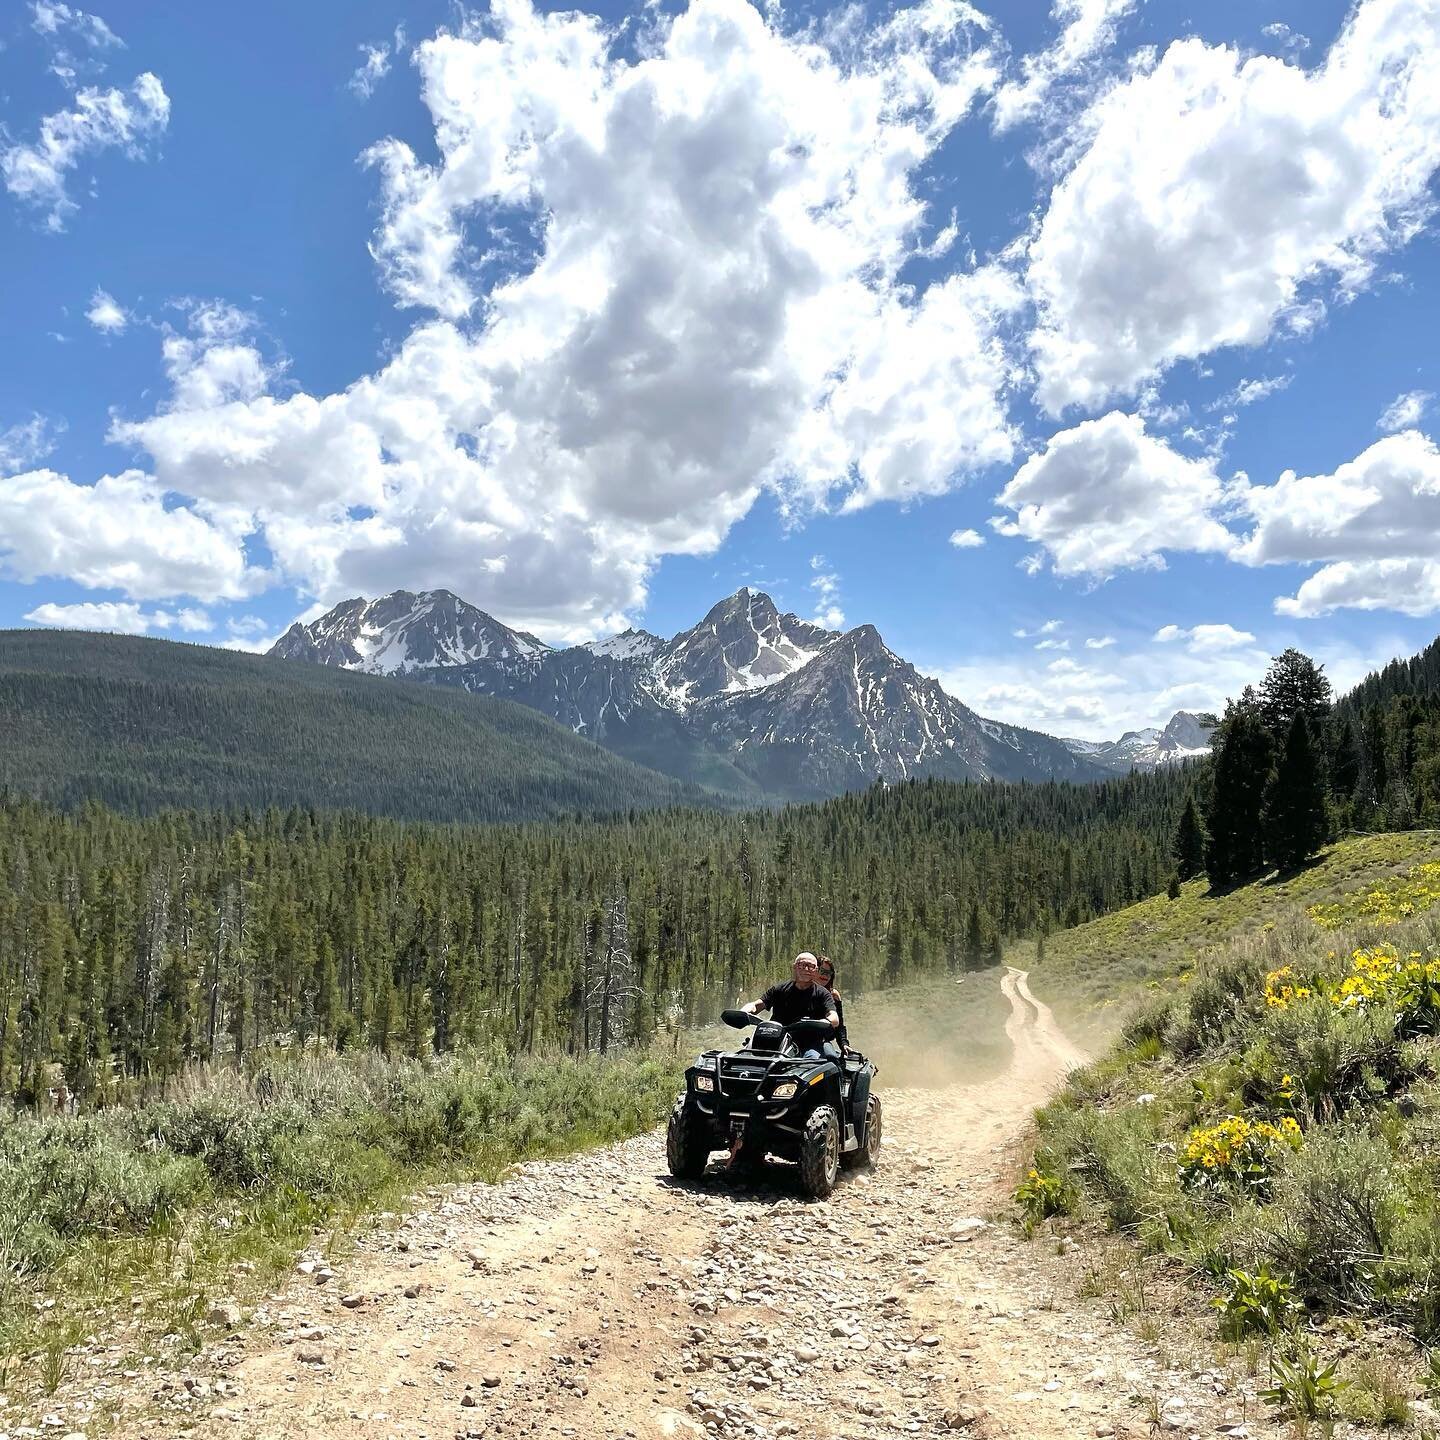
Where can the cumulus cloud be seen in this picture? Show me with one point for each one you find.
(966, 539)
(127, 120)
(1048, 627)
(118, 534)
(1089, 28)
(120, 616)
(1106, 496)
(1375, 522)
(1405, 411)
(1101, 696)
(711, 306)
(1099, 642)
(1205, 637)
(1154, 249)
(105, 314)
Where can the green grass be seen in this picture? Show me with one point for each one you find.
(1092, 973)
(1269, 1121)
(151, 1214)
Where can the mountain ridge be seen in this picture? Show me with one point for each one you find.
(750, 700)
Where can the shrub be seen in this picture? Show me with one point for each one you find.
(1236, 1152)
(1040, 1196)
(1301, 1385)
(1261, 1303)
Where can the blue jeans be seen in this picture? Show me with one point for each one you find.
(812, 1055)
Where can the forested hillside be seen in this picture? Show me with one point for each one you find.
(1386, 736)
(146, 725)
(128, 947)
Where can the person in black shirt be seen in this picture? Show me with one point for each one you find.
(803, 998)
(826, 967)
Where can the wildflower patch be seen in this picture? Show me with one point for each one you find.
(1387, 903)
(1237, 1151)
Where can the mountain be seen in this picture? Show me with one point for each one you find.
(751, 701)
(1185, 737)
(404, 632)
(147, 725)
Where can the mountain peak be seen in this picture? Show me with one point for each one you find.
(405, 631)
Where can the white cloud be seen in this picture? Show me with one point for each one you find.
(376, 64)
(50, 18)
(1048, 627)
(1099, 642)
(1105, 496)
(1052, 644)
(117, 534)
(966, 539)
(105, 314)
(712, 306)
(119, 616)
(1205, 638)
(24, 444)
(1157, 247)
(101, 120)
(1375, 522)
(1102, 696)
(371, 71)
(1089, 29)
(1405, 411)
(826, 586)
(1249, 392)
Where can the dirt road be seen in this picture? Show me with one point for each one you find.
(593, 1297)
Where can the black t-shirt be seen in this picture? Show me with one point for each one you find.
(787, 1002)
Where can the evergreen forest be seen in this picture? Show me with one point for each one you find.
(131, 947)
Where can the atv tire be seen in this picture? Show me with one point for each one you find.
(686, 1143)
(820, 1153)
(869, 1152)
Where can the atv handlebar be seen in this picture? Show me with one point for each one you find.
(739, 1019)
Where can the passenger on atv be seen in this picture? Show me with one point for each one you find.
(803, 998)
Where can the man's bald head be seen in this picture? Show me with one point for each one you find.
(807, 969)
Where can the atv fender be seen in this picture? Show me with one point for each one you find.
(860, 1104)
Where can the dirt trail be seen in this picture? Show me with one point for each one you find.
(594, 1297)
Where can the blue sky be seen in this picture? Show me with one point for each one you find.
(594, 316)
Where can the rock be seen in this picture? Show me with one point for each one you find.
(491, 1381)
(352, 1302)
(806, 1355)
(959, 1417)
(446, 1365)
(225, 1313)
(468, 1400)
(310, 1356)
(306, 1267)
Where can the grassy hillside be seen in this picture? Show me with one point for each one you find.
(1267, 1127)
(1090, 972)
(146, 725)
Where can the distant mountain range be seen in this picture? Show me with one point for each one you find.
(750, 701)
(1186, 737)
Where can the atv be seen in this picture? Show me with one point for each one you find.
(764, 1100)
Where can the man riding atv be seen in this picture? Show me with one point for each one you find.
(803, 998)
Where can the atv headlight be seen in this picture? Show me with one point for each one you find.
(704, 1082)
(784, 1090)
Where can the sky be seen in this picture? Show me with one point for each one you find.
(1086, 350)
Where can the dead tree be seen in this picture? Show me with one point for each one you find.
(610, 984)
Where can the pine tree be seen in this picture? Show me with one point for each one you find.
(1345, 764)
(1293, 685)
(1188, 847)
(1242, 771)
(1294, 822)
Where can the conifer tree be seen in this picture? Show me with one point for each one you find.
(1188, 849)
(1294, 821)
(1293, 685)
(1242, 771)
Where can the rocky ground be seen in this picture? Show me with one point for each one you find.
(595, 1297)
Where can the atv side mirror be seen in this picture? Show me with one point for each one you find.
(738, 1018)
